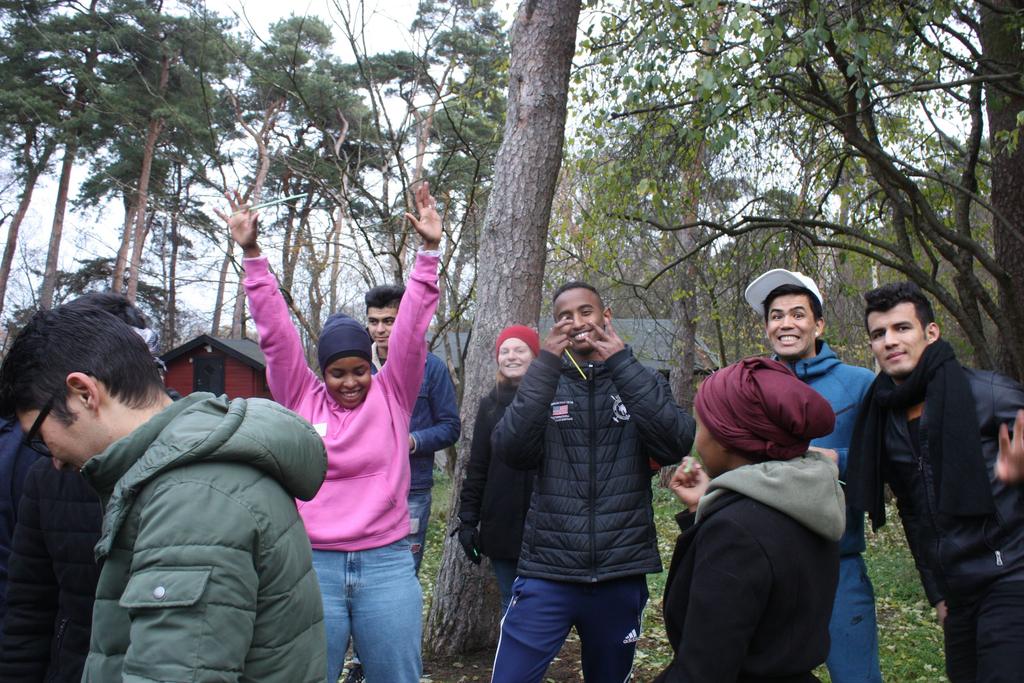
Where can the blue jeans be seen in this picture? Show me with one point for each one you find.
(505, 572)
(419, 518)
(853, 630)
(607, 616)
(373, 597)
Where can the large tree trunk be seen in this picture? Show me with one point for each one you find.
(63, 186)
(464, 611)
(334, 256)
(1003, 53)
(238, 313)
(170, 336)
(57, 228)
(261, 137)
(156, 126)
(684, 298)
(121, 260)
(684, 307)
(218, 302)
(33, 171)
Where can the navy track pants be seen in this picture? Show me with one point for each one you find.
(607, 616)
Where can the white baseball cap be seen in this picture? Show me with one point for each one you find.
(760, 288)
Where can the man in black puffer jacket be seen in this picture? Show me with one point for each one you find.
(16, 459)
(930, 429)
(592, 420)
(52, 578)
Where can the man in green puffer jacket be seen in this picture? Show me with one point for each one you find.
(207, 570)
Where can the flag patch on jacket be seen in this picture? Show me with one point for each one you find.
(560, 411)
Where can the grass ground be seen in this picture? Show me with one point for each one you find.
(910, 641)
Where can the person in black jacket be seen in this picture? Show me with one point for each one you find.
(16, 457)
(750, 590)
(590, 418)
(52, 579)
(494, 496)
(930, 429)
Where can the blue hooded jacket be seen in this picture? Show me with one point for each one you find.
(843, 386)
(434, 423)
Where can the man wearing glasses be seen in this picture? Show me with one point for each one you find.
(51, 572)
(206, 567)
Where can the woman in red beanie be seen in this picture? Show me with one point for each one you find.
(749, 593)
(496, 497)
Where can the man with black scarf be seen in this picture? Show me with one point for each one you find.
(930, 428)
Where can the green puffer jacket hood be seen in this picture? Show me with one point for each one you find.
(207, 569)
(806, 488)
(206, 428)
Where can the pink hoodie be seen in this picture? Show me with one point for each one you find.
(363, 503)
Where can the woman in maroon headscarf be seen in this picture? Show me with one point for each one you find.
(753, 576)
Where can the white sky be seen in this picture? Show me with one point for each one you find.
(96, 233)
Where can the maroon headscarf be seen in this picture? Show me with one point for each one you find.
(759, 408)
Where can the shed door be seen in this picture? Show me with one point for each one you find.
(208, 374)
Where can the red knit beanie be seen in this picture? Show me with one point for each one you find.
(523, 334)
(761, 409)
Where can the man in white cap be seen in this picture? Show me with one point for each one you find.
(790, 304)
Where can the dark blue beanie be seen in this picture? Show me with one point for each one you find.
(342, 336)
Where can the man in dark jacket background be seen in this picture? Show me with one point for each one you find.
(591, 418)
(930, 429)
(434, 424)
(15, 460)
(53, 577)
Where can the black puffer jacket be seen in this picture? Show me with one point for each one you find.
(591, 439)
(494, 495)
(959, 557)
(52, 578)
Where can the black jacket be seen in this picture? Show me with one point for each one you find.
(748, 597)
(15, 460)
(959, 557)
(52, 578)
(590, 439)
(494, 495)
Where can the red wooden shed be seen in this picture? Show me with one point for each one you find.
(235, 367)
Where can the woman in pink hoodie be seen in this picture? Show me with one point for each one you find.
(359, 520)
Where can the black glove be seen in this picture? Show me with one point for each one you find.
(467, 539)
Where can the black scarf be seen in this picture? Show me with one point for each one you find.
(954, 438)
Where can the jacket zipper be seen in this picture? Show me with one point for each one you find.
(59, 640)
(929, 496)
(933, 512)
(593, 472)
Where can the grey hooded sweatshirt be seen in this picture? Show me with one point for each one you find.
(806, 489)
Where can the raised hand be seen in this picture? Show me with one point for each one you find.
(243, 224)
(1010, 463)
(428, 225)
(606, 341)
(689, 482)
(558, 340)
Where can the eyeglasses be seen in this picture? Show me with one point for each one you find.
(32, 438)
